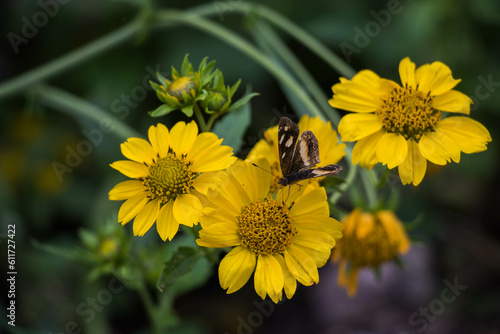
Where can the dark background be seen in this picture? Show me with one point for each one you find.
(457, 238)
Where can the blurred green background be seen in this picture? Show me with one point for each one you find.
(458, 235)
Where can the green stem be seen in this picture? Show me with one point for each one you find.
(349, 180)
(289, 27)
(20, 83)
(369, 183)
(294, 64)
(239, 43)
(151, 309)
(67, 102)
(201, 120)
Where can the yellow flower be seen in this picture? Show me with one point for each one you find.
(369, 240)
(282, 240)
(402, 126)
(172, 172)
(330, 150)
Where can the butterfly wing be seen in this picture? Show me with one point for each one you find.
(306, 153)
(288, 132)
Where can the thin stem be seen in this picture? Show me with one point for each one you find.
(351, 176)
(369, 181)
(294, 64)
(286, 25)
(67, 102)
(150, 308)
(199, 117)
(20, 83)
(242, 45)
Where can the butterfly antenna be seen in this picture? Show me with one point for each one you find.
(262, 169)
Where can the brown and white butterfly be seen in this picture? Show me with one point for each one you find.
(298, 158)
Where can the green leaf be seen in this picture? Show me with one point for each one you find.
(233, 126)
(185, 65)
(241, 102)
(181, 263)
(162, 110)
(161, 78)
(188, 110)
(155, 86)
(234, 88)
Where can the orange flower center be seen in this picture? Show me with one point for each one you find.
(266, 227)
(169, 177)
(408, 112)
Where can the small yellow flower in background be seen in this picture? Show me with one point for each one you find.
(281, 241)
(330, 150)
(403, 126)
(369, 240)
(172, 173)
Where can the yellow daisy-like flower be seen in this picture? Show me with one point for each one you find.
(369, 240)
(402, 126)
(171, 173)
(282, 240)
(330, 150)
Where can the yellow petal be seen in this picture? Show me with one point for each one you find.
(139, 150)
(313, 202)
(187, 209)
(131, 169)
(318, 245)
(146, 217)
(391, 149)
(412, 170)
(290, 283)
(361, 94)
(469, 135)
(365, 150)
(236, 268)
(435, 78)
(319, 223)
(438, 148)
(126, 189)
(268, 278)
(366, 222)
(350, 221)
(394, 229)
(182, 137)
(159, 138)
(452, 101)
(131, 207)
(301, 265)
(354, 127)
(352, 281)
(407, 72)
(209, 180)
(222, 234)
(166, 224)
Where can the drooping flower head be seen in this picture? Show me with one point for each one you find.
(330, 150)
(403, 125)
(281, 240)
(369, 240)
(170, 173)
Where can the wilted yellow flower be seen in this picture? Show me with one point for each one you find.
(171, 173)
(282, 240)
(403, 126)
(369, 240)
